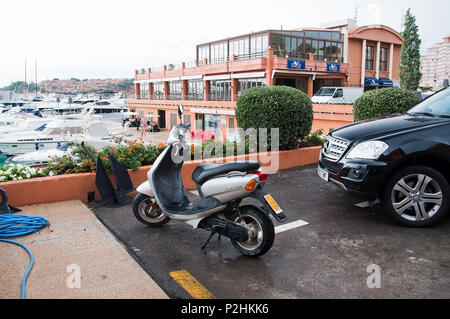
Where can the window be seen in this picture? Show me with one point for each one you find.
(173, 120)
(186, 119)
(245, 84)
(369, 58)
(199, 121)
(203, 52)
(315, 47)
(308, 46)
(144, 91)
(339, 93)
(321, 50)
(239, 47)
(288, 45)
(258, 44)
(158, 91)
(231, 123)
(220, 90)
(219, 52)
(196, 90)
(175, 90)
(383, 59)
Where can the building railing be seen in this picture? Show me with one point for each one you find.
(250, 56)
(214, 97)
(176, 96)
(193, 64)
(291, 55)
(191, 97)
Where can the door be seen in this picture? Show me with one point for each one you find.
(162, 119)
(173, 120)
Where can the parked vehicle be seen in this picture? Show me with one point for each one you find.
(403, 159)
(337, 95)
(221, 189)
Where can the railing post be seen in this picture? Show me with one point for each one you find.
(234, 89)
(184, 89)
(137, 86)
(206, 90)
(269, 67)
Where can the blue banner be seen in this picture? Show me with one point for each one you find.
(333, 67)
(296, 64)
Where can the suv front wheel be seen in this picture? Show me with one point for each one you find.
(417, 196)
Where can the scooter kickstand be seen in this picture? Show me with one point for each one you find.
(209, 239)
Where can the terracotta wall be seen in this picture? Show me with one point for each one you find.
(77, 186)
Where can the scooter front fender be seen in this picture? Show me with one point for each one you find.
(146, 189)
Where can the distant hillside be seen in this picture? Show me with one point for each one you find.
(73, 86)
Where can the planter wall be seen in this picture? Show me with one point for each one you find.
(77, 186)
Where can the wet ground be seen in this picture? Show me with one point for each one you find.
(336, 255)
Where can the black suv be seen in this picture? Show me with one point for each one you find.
(403, 159)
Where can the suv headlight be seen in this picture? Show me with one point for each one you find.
(368, 150)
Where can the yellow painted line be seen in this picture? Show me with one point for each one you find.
(191, 285)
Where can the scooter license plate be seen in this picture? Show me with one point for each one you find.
(273, 204)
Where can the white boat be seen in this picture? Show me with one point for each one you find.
(39, 157)
(55, 134)
(42, 157)
(25, 124)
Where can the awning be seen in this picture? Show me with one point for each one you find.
(371, 82)
(204, 110)
(191, 77)
(386, 83)
(252, 75)
(217, 77)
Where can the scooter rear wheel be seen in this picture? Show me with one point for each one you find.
(260, 231)
(147, 211)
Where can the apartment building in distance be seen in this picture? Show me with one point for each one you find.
(337, 54)
(435, 65)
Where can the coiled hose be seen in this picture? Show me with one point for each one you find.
(15, 226)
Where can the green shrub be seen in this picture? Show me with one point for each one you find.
(281, 107)
(378, 103)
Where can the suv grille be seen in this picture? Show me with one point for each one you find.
(334, 148)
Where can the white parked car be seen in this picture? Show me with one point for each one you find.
(338, 95)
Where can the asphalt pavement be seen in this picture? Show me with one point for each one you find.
(333, 250)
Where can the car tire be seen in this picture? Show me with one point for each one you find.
(417, 196)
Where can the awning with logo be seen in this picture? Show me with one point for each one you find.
(386, 83)
(373, 82)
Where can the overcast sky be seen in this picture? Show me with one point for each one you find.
(109, 38)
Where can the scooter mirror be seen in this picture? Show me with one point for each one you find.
(180, 110)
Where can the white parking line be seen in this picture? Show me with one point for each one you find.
(290, 226)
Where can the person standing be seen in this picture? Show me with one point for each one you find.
(144, 129)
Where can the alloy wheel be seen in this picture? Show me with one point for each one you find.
(416, 197)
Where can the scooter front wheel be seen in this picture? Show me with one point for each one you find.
(147, 211)
(260, 229)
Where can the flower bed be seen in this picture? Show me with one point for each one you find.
(78, 186)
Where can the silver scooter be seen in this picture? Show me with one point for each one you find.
(221, 189)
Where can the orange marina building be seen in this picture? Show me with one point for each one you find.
(340, 54)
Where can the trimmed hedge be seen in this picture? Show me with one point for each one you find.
(378, 103)
(281, 107)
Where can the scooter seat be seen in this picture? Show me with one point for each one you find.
(205, 172)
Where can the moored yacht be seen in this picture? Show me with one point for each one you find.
(55, 134)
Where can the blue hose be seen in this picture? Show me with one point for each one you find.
(16, 226)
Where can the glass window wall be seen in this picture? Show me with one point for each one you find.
(196, 88)
(220, 90)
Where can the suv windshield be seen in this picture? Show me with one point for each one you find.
(436, 105)
(326, 92)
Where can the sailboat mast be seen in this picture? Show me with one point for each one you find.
(35, 74)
